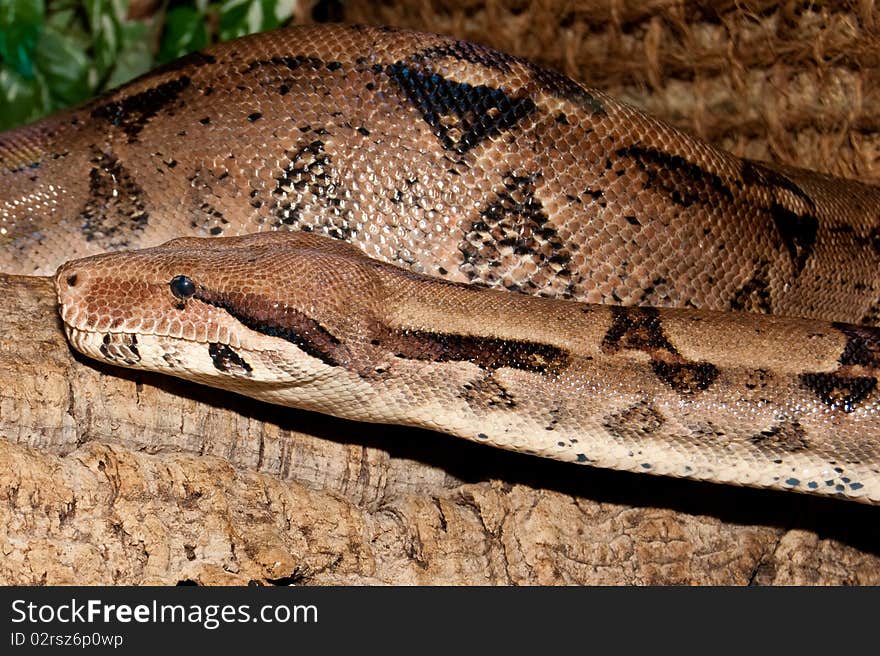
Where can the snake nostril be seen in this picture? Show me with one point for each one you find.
(71, 280)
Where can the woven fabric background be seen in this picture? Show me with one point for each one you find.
(793, 82)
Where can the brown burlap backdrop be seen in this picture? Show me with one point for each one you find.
(796, 82)
(114, 477)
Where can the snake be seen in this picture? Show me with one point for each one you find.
(399, 227)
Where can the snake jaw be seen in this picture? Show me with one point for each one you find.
(211, 364)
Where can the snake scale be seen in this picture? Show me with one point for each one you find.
(642, 279)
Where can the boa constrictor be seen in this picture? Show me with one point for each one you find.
(670, 264)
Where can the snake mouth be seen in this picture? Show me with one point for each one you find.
(125, 331)
(258, 373)
(181, 357)
(115, 347)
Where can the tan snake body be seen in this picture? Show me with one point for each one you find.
(456, 161)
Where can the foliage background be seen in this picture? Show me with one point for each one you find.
(57, 53)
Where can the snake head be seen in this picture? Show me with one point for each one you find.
(258, 314)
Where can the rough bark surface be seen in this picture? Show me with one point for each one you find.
(111, 476)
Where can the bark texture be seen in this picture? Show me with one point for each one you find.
(110, 476)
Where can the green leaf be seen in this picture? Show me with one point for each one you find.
(65, 20)
(21, 99)
(22, 12)
(284, 9)
(240, 17)
(135, 57)
(98, 10)
(63, 64)
(185, 31)
(233, 18)
(20, 25)
(105, 42)
(56, 52)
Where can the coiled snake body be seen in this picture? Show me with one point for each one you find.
(462, 165)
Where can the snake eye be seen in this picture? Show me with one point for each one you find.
(182, 287)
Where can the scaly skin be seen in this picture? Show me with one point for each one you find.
(459, 162)
(310, 322)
